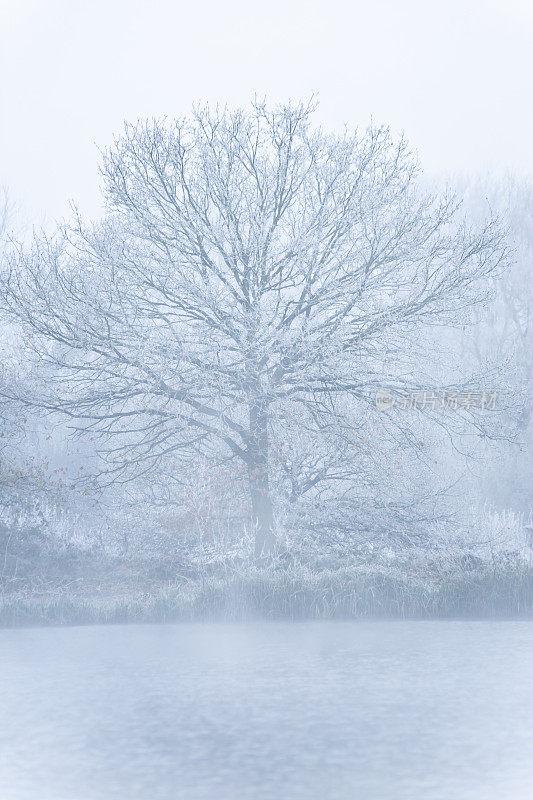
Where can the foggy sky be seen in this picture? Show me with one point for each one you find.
(455, 76)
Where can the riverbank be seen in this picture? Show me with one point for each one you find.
(297, 593)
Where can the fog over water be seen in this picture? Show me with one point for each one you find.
(388, 711)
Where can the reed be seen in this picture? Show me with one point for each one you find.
(297, 593)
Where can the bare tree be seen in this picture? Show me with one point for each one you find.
(5, 213)
(504, 330)
(253, 276)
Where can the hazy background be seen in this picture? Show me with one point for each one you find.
(455, 76)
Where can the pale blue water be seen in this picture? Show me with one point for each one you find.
(280, 711)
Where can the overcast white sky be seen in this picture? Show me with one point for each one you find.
(455, 75)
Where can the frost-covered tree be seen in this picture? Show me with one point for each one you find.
(5, 411)
(503, 330)
(254, 282)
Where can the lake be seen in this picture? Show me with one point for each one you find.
(432, 710)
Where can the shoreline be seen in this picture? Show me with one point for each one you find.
(298, 594)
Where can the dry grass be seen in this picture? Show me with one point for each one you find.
(297, 593)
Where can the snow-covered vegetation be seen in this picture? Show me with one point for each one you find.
(190, 385)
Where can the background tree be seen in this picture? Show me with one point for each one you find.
(503, 331)
(254, 282)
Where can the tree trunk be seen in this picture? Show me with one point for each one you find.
(262, 510)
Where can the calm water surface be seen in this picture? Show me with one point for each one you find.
(279, 711)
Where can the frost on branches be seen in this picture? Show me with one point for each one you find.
(254, 283)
